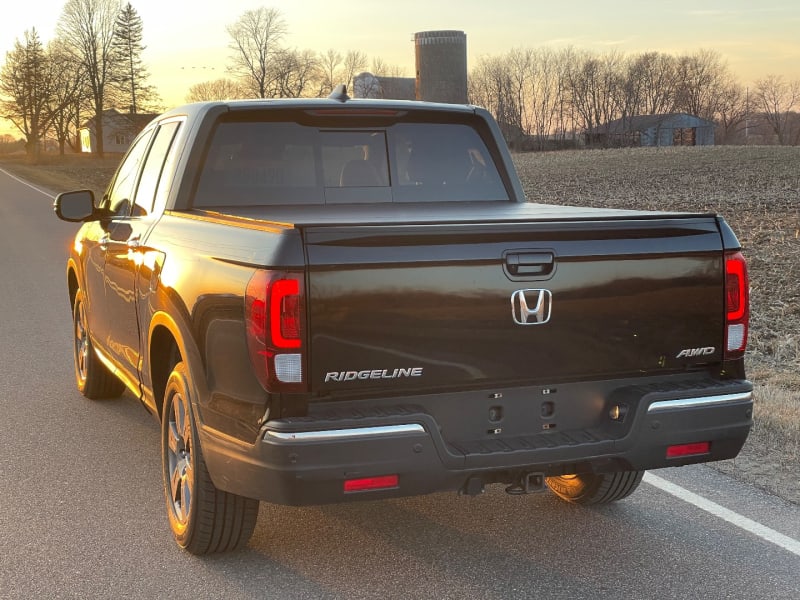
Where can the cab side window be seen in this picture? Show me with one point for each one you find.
(153, 168)
(120, 197)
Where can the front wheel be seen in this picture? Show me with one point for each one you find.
(595, 488)
(203, 519)
(92, 377)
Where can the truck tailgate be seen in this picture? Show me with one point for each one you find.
(446, 306)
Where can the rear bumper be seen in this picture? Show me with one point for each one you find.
(307, 460)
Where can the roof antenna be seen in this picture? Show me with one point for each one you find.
(339, 93)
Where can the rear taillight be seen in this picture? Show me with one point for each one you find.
(737, 305)
(275, 312)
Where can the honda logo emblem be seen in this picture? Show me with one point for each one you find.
(531, 307)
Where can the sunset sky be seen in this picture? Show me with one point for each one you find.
(187, 42)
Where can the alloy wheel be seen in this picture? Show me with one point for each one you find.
(179, 459)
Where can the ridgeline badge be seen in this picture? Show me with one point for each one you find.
(340, 376)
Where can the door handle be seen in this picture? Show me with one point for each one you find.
(134, 242)
(103, 242)
(530, 264)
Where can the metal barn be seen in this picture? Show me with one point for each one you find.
(675, 129)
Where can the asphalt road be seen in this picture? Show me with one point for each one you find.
(82, 515)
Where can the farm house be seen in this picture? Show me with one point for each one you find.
(676, 129)
(119, 129)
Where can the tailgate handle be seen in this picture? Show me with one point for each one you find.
(522, 264)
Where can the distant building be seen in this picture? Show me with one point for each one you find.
(119, 129)
(676, 129)
(367, 85)
(441, 63)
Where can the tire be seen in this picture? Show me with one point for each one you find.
(593, 488)
(203, 519)
(92, 377)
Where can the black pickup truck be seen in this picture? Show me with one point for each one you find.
(328, 300)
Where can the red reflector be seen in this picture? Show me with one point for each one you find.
(371, 483)
(688, 449)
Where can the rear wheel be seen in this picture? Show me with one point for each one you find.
(594, 488)
(92, 377)
(203, 519)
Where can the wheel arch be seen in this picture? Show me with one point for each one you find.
(166, 348)
(72, 283)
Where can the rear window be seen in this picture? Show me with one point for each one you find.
(278, 163)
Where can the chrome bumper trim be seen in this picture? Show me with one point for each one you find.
(702, 401)
(340, 434)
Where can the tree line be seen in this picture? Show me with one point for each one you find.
(541, 97)
(93, 63)
(261, 66)
(545, 97)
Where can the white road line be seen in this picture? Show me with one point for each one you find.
(23, 182)
(754, 527)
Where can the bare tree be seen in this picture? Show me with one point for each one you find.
(490, 86)
(522, 88)
(547, 99)
(219, 89)
(69, 94)
(380, 68)
(354, 63)
(701, 78)
(777, 98)
(87, 29)
(732, 113)
(333, 68)
(584, 90)
(651, 82)
(26, 85)
(255, 42)
(294, 72)
(526, 91)
(595, 86)
(328, 64)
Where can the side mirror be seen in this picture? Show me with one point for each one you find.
(75, 207)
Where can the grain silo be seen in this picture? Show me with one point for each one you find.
(441, 58)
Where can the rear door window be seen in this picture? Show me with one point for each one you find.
(119, 198)
(153, 167)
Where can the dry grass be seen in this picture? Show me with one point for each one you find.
(756, 189)
(770, 458)
(63, 173)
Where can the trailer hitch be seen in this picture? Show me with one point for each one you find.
(528, 483)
